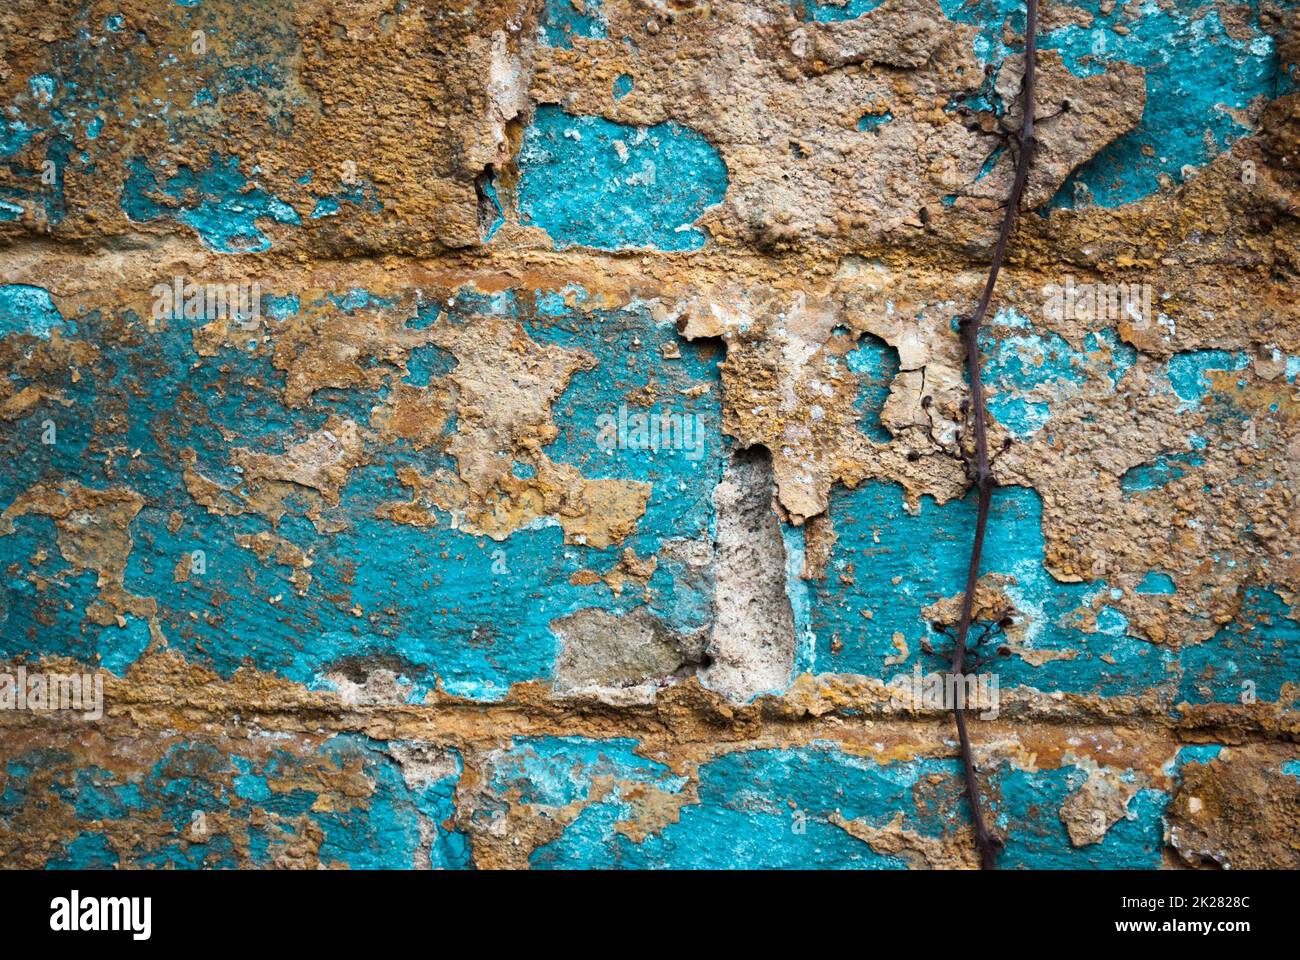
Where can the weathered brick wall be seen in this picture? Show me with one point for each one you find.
(529, 433)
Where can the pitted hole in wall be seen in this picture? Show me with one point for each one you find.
(490, 213)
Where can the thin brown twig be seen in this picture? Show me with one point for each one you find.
(986, 842)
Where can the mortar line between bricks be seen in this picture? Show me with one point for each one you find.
(451, 728)
(471, 261)
(557, 716)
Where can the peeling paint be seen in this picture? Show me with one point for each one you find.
(593, 462)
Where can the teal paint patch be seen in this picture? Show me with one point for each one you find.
(225, 810)
(799, 594)
(87, 108)
(778, 809)
(36, 143)
(622, 85)
(361, 195)
(471, 626)
(385, 833)
(896, 564)
(1116, 356)
(1196, 76)
(598, 433)
(1025, 805)
(281, 308)
(121, 646)
(1162, 470)
(875, 363)
(1157, 583)
(28, 310)
(1027, 370)
(989, 163)
(562, 20)
(97, 794)
(1188, 372)
(442, 609)
(557, 771)
(33, 621)
(42, 88)
(17, 781)
(14, 135)
(358, 298)
(991, 18)
(893, 564)
(819, 12)
(1020, 366)
(874, 121)
(216, 201)
(1248, 659)
(1197, 753)
(764, 809)
(89, 851)
(1291, 768)
(579, 185)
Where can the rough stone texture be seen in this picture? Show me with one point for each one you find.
(589, 472)
(752, 639)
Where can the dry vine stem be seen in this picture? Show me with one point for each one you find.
(970, 330)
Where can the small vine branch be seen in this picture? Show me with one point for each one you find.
(986, 842)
